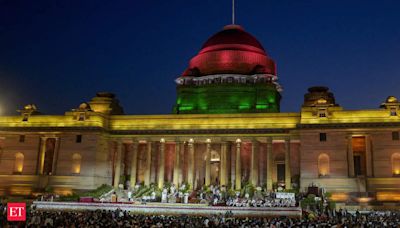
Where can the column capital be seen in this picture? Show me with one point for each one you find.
(191, 141)
(44, 137)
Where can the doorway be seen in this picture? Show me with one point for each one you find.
(280, 168)
(359, 151)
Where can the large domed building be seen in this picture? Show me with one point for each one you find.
(226, 129)
(232, 73)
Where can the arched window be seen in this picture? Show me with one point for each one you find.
(19, 163)
(323, 165)
(76, 163)
(396, 164)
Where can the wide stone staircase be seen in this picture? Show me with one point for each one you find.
(336, 184)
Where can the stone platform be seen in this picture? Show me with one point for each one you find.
(172, 209)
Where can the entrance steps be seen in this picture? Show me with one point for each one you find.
(333, 184)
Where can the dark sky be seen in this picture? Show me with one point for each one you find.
(58, 54)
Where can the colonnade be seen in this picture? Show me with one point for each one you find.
(187, 148)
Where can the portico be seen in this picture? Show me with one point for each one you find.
(202, 161)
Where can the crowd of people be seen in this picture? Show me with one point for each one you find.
(266, 202)
(121, 218)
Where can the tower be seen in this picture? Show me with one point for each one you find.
(232, 73)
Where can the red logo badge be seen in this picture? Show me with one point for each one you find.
(16, 211)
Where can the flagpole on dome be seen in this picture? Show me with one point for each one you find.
(233, 12)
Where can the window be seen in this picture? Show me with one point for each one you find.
(395, 135)
(19, 163)
(323, 165)
(76, 163)
(396, 164)
(81, 117)
(78, 139)
(322, 137)
(393, 112)
(22, 138)
(322, 113)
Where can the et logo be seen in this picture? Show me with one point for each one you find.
(16, 211)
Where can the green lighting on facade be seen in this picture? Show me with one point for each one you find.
(227, 98)
(261, 106)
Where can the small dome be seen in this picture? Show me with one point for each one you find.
(391, 99)
(231, 51)
(319, 96)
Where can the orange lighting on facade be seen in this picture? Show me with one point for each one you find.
(339, 197)
(19, 162)
(388, 196)
(364, 199)
(323, 164)
(76, 163)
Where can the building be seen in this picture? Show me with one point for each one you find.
(226, 129)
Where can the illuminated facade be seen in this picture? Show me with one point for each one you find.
(226, 129)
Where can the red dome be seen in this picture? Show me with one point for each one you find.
(231, 51)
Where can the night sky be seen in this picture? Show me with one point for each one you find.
(58, 54)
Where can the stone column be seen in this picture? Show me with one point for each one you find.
(182, 157)
(238, 168)
(254, 163)
(55, 157)
(350, 158)
(148, 164)
(177, 166)
(288, 174)
(269, 164)
(222, 163)
(368, 156)
(161, 166)
(208, 163)
(117, 173)
(42, 153)
(190, 175)
(134, 163)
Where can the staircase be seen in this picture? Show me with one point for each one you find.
(335, 184)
